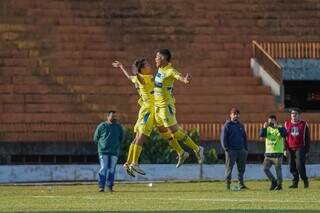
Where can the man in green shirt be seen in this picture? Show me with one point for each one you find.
(274, 135)
(108, 136)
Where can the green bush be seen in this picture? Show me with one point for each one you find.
(156, 150)
(210, 156)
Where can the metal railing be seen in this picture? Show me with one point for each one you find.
(295, 50)
(84, 132)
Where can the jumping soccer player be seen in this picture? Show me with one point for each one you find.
(165, 111)
(143, 79)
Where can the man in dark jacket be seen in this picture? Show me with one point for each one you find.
(234, 143)
(297, 144)
(107, 137)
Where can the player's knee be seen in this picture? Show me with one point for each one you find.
(140, 139)
(166, 135)
(180, 135)
(174, 128)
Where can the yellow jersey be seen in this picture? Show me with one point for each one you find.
(145, 89)
(163, 90)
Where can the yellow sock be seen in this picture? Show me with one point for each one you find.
(172, 142)
(130, 154)
(182, 136)
(136, 153)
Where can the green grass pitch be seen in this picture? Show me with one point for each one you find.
(171, 197)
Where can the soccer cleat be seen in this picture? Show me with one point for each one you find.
(242, 186)
(273, 185)
(128, 170)
(278, 187)
(227, 185)
(306, 184)
(199, 155)
(101, 189)
(136, 168)
(182, 158)
(293, 186)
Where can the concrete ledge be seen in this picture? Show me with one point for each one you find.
(265, 77)
(155, 172)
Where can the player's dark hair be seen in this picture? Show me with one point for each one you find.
(273, 117)
(139, 64)
(295, 109)
(111, 111)
(165, 53)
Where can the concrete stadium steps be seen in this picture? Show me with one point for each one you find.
(69, 117)
(20, 82)
(70, 46)
(184, 109)
(47, 131)
(41, 136)
(185, 99)
(206, 86)
(42, 108)
(94, 73)
(124, 90)
(33, 126)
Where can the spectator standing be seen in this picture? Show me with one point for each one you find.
(297, 147)
(108, 136)
(234, 143)
(274, 135)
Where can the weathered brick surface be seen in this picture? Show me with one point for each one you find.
(56, 64)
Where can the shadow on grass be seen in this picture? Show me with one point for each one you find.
(194, 211)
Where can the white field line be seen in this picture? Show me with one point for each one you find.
(187, 199)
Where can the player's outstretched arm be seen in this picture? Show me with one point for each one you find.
(186, 79)
(117, 64)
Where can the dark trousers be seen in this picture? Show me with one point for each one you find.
(232, 157)
(277, 162)
(297, 161)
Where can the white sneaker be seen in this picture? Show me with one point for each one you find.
(182, 158)
(199, 155)
(136, 168)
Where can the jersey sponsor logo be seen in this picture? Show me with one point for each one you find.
(159, 79)
(158, 84)
(294, 131)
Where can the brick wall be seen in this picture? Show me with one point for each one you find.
(55, 58)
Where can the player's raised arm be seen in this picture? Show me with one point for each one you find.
(186, 79)
(117, 64)
(178, 76)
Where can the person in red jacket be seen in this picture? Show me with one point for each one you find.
(297, 147)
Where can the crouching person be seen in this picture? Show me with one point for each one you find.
(274, 135)
(108, 136)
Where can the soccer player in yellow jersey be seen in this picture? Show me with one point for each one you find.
(165, 111)
(143, 80)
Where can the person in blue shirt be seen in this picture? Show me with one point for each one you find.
(108, 136)
(234, 142)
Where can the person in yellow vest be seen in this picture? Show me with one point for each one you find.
(274, 135)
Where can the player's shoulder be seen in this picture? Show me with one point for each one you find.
(103, 125)
(172, 69)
